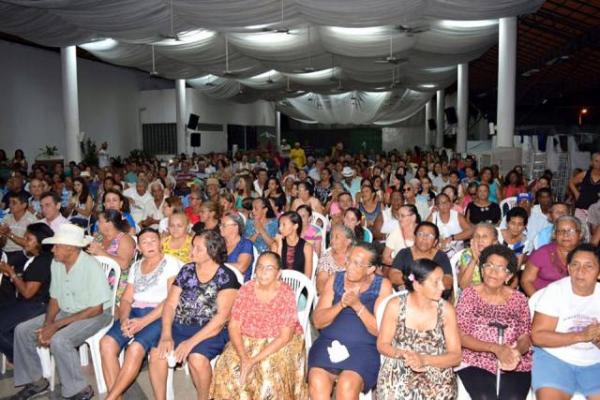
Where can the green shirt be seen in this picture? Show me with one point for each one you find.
(465, 258)
(84, 286)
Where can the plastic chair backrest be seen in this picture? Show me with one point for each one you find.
(454, 264)
(299, 282)
(315, 264)
(507, 204)
(381, 308)
(255, 254)
(322, 222)
(238, 273)
(108, 265)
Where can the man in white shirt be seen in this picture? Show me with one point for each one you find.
(50, 203)
(153, 208)
(261, 180)
(138, 196)
(13, 227)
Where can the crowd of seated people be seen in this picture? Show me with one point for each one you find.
(390, 243)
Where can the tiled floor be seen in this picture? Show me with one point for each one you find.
(140, 390)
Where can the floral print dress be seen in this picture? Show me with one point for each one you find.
(397, 381)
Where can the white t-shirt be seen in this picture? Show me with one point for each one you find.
(574, 313)
(152, 288)
(137, 206)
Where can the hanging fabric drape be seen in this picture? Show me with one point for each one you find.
(392, 54)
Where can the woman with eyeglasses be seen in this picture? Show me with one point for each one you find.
(427, 237)
(240, 252)
(481, 310)
(178, 241)
(336, 257)
(566, 331)
(210, 214)
(403, 236)
(549, 263)
(265, 357)
(484, 235)
(419, 340)
(194, 209)
(345, 353)
(454, 227)
(481, 209)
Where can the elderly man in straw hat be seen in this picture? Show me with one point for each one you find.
(80, 302)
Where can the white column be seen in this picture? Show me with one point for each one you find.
(428, 114)
(278, 129)
(68, 59)
(180, 110)
(507, 65)
(462, 105)
(439, 120)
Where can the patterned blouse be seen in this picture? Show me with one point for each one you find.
(328, 264)
(182, 253)
(474, 316)
(198, 301)
(261, 320)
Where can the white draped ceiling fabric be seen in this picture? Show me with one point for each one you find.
(320, 60)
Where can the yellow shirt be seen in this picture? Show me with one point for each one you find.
(298, 157)
(183, 253)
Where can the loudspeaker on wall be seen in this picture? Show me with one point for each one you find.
(193, 121)
(451, 115)
(195, 139)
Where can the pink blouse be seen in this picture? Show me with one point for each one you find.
(265, 320)
(474, 316)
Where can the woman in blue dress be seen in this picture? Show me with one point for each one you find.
(346, 349)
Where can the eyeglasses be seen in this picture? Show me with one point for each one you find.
(407, 189)
(424, 235)
(567, 232)
(585, 267)
(495, 268)
(266, 267)
(356, 264)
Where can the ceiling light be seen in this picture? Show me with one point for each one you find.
(100, 45)
(373, 30)
(458, 24)
(427, 85)
(196, 35)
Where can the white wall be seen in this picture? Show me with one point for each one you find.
(158, 106)
(31, 101)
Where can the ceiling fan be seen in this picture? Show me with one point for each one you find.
(411, 30)
(391, 59)
(281, 28)
(227, 71)
(172, 35)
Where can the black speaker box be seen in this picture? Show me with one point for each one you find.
(193, 121)
(451, 115)
(195, 139)
(432, 124)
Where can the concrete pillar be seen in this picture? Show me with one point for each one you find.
(428, 114)
(70, 98)
(278, 129)
(507, 66)
(462, 105)
(439, 120)
(180, 111)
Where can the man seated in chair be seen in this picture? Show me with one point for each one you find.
(79, 306)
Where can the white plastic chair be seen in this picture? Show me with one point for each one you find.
(298, 282)
(510, 202)
(255, 254)
(238, 274)
(454, 264)
(322, 222)
(46, 358)
(315, 264)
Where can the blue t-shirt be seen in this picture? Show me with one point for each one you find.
(244, 246)
(271, 227)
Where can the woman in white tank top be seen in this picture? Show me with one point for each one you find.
(454, 227)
